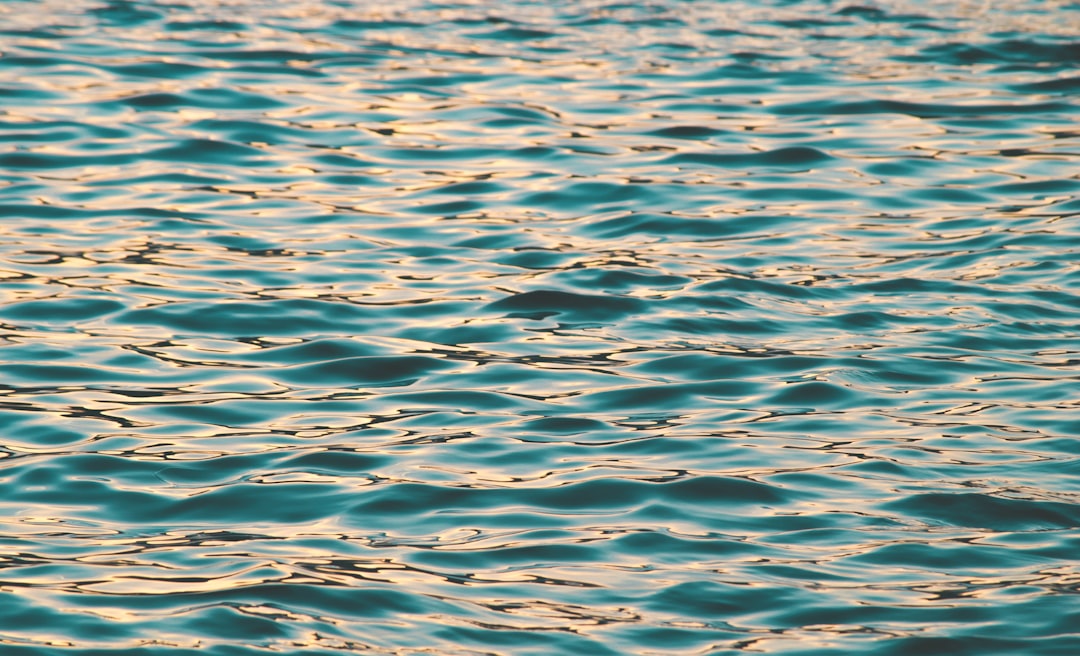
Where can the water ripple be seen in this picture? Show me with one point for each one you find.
(552, 328)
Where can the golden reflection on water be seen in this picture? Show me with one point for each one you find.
(671, 327)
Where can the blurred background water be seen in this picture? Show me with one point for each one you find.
(517, 327)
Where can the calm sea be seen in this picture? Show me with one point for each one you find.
(529, 328)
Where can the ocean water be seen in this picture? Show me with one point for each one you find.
(568, 327)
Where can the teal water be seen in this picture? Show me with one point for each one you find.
(513, 328)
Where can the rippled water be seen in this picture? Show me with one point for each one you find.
(539, 327)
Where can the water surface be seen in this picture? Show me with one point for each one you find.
(539, 327)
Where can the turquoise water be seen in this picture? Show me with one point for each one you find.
(539, 327)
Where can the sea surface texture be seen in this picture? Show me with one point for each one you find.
(530, 328)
